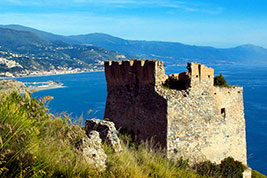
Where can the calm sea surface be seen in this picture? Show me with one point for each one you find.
(87, 91)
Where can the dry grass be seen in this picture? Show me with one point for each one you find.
(143, 161)
(34, 143)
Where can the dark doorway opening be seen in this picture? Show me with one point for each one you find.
(223, 113)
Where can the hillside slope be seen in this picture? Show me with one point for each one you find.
(21, 50)
(43, 34)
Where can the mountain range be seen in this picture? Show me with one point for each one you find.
(98, 46)
(174, 53)
(22, 50)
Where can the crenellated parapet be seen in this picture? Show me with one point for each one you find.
(131, 96)
(134, 72)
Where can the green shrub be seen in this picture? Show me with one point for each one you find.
(231, 168)
(207, 168)
(220, 81)
(228, 168)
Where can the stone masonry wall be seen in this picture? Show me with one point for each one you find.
(132, 103)
(201, 76)
(199, 123)
(198, 131)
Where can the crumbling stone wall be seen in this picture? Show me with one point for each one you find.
(197, 122)
(198, 131)
(200, 75)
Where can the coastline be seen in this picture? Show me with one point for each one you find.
(43, 75)
(49, 84)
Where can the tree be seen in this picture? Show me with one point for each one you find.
(220, 81)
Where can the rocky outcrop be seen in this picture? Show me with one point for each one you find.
(106, 130)
(92, 150)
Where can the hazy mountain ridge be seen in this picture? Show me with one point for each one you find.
(43, 34)
(170, 52)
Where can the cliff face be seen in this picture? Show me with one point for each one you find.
(196, 121)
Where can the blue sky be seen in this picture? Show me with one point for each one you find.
(219, 23)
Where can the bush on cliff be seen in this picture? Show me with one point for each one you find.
(220, 81)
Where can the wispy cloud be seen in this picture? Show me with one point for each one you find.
(144, 28)
(188, 21)
(181, 5)
(81, 23)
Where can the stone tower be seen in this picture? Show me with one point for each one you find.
(194, 119)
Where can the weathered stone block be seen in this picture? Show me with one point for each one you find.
(106, 130)
(92, 150)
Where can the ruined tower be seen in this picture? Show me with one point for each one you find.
(192, 118)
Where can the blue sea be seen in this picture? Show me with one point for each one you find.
(87, 91)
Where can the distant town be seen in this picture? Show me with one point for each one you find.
(9, 60)
(27, 73)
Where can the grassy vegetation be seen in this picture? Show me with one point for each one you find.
(35, 143)
(256, 174)
(143, 161)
